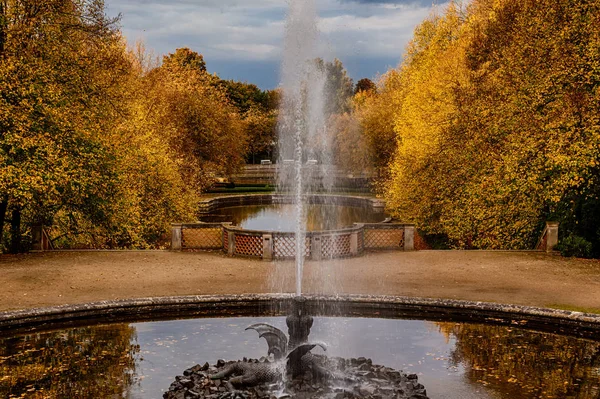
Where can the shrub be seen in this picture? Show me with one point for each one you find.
(574, 245)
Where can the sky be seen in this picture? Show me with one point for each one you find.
(243, 39)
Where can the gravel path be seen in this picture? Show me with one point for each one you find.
(525, 278)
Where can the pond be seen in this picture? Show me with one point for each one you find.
(452, 360)
(319, 217)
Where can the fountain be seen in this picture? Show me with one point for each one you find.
(301, 115)
(101, 360)
(290, 369)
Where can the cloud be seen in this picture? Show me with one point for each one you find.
(252, 31)
(420, 3)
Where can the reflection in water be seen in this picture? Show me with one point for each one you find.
(525, 364)
(453, 360)
(318, 217)
(90, 362)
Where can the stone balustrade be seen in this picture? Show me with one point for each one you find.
(269, 245)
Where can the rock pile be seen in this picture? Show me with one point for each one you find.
(354, 378)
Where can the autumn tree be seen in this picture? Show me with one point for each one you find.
(98, 142)
(185, 58)
(352, 152)
(495, 121)
(59, 62)
(375, 112)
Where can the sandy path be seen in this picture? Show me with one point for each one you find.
(528, 278)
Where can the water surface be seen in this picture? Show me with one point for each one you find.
(453, 360)
(318, 217)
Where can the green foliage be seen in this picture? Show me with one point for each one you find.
(259, 111)
(246, 96)
(338, 87)
(573, 245)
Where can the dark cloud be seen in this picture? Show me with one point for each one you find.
(420, 3)
(242, 39)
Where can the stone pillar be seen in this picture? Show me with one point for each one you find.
(176, 237)
(315, 248)
(378, 205)
(231, 239)
(37, 237)
(267, 247)
(551, 235)
(354, 243)
(409, 237)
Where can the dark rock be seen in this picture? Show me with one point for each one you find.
(360, 376)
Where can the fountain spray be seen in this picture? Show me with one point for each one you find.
(301, 114)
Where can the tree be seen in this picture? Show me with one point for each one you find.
(365, 84)
(97, 141)
(259, 111)
(376, 113)
(47, 112)
(261, 130)
(338, 87)
(494, 113)
(185, 58)
(351, 151)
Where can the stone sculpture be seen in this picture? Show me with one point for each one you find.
(291, 370)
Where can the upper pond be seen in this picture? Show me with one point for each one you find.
(452, 360)
(277, 217)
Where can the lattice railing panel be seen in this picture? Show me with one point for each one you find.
(334, 246)
(384, 238)
(209, 238)
(248, 245)
(284, 246)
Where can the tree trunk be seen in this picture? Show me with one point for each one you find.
(15, 232)
(3, 206)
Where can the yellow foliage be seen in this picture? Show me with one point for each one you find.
(103, 143)
(495, 112)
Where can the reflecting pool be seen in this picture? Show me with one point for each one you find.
(277, 217)
(453, 360)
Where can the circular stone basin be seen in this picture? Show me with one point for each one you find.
(452, 360)
(319, 217)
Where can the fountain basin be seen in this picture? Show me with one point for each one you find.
(458, 349)
(273, 244)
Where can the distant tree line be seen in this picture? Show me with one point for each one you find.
(488, 128)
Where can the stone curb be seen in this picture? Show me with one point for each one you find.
(560, 321)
